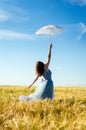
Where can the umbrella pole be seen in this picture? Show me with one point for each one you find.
(50, 39)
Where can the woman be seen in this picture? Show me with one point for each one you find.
(45, 88)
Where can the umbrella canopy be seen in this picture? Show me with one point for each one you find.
(50, 30)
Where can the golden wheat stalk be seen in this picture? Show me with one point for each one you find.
(15, 122)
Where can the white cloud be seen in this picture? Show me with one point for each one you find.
(3, 16)
(14, 14)
(77, 2)
(7, 34)
(83, 30)
(18, 14)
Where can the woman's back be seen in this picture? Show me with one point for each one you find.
(47, 75)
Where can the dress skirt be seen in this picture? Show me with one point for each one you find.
(44, 90)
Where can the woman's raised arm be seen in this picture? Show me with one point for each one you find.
(49, 57)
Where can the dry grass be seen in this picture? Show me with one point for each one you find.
(66, 112)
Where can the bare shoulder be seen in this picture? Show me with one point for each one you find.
(46, 67)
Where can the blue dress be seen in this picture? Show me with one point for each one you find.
(43, 90)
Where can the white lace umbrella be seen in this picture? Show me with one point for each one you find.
(50, 30)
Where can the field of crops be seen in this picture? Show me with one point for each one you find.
(66, 112)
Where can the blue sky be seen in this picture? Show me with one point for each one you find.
(20, 48)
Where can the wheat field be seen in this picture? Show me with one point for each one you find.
(66, 112)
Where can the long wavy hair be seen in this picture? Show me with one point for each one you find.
(40, 68)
